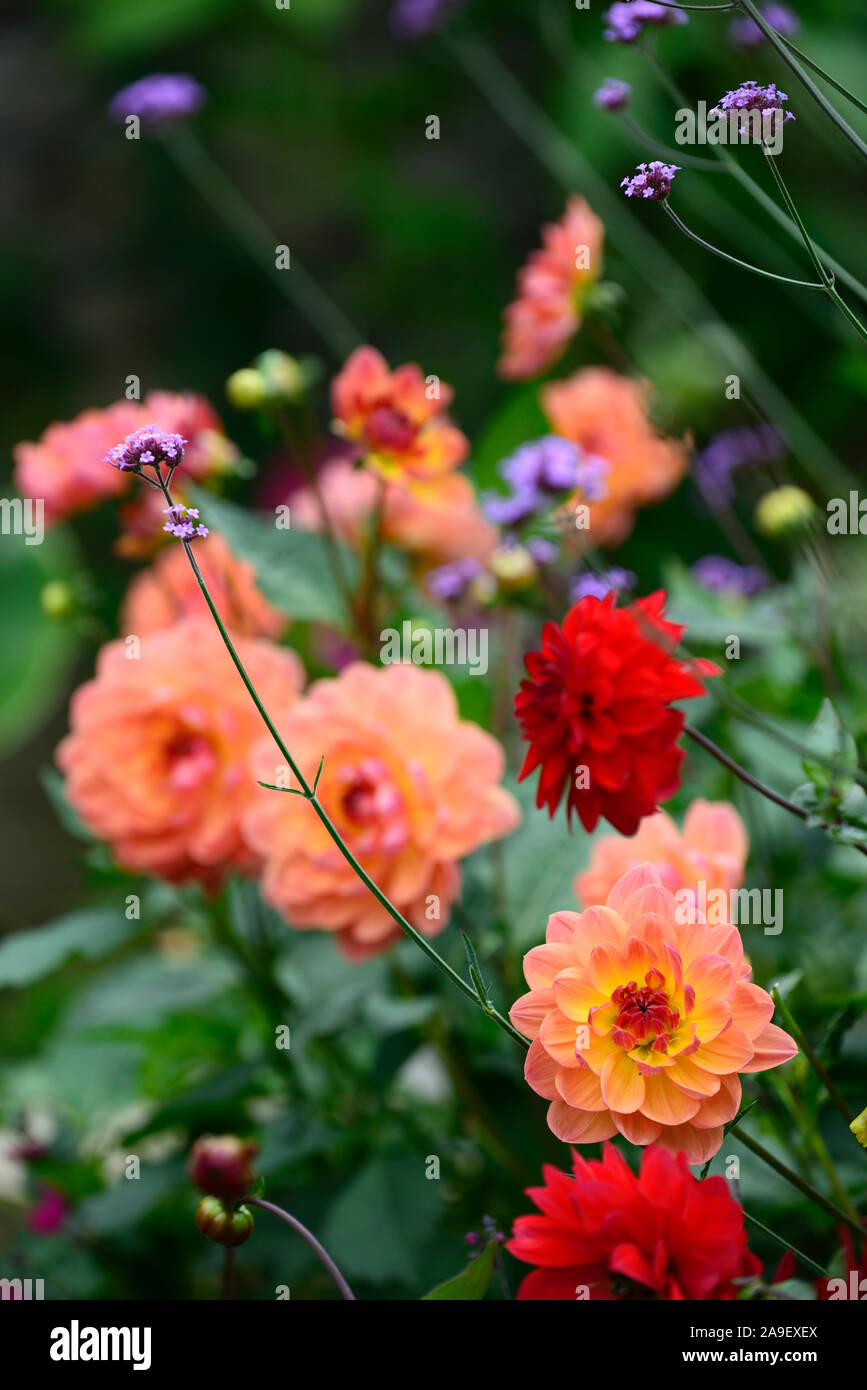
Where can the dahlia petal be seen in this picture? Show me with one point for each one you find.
(579, 1126)
(623, 1086)
(637, 1128)
(751, 1008)
(772, 1047)
(729, 1052)
(575, 995)
(642, 876)
(665, 1103)
(530, 1011)
(721, 1108)
(580, 1088)
(711, 976)
(542, 963)
(699, 1145)
(709, 1018)
(694, 1079)
(540, 1071)
(559, 1036)
(605, 969)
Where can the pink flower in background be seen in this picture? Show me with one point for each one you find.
(546, 312)
(411, 787)
(712, 848)
(396, 418)
(642, 1022)
(156, 758)
(167, 591)
(50, 1213)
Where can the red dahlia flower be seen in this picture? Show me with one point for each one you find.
(609, 1235)
(597, 713)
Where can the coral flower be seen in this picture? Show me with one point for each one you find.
(596, 710)
(67, 467)
(607, 415)
(156, 760)
(712, 849)
(437, 523)
(642, 1022)
(552, 287)
(606, 1235)
(167, 591)
(396, 419)
(411, 788)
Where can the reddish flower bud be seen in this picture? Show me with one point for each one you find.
(220, 1165)
(221, 1224)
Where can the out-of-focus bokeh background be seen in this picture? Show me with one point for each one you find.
(114, 265)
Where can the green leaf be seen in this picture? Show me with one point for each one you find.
(832, 742)
(291, 565)
(472, 1283)
(377, 1225)
(94, 932)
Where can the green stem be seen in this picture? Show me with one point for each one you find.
(712, 166)
(787, 1245)
(309, 1237)
(818, 1068)
(744, 265)
(309, 794)
(796, 1181)
(789, 58)
(827, 280)
(826, 76)
(254, 234)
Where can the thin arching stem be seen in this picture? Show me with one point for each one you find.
(734, 260)
(825, 76)
(315, 1246)
(795, 1179)
(308, 792)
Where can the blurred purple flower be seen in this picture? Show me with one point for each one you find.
(719, 575)
(626, 19)
(745, 33)
(412, 19)
(452, 580)
(652, 180)
(159, 99)
(734, 449)
(751, 96)
(538, 473)
(590, 585)
(543, 551)
(613, 95)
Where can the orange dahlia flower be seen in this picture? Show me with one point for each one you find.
(167, 591)
(607, 415)
(712, 849)
(552, 285)
(606, 1234)
(67, 466)
(156, 758)
(410, 786)
(641, 1024)
(436, 523)
(397, 418)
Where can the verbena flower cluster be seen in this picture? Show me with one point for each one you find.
(652, 180)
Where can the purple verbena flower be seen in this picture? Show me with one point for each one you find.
(412, 19)
(159, 99)
(613, 95)
(539, 472)
(751, 96)
(745, 33)
(626, 19)
(182, 522)
(451, 581)
(719, 575)
(543, 551)
(590, 585)
(149, 447)
(652, 180)
(734, 449)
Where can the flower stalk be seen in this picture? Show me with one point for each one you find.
(318, 1249)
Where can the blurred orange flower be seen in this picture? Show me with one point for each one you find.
(67, 466)
(607, 415)
(552, 285)
(397, 419)
(411, 788)
(156, 760)
(712, 848)
(167, 591)
(437, 522)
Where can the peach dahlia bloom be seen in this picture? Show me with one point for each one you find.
(438, 522)
(167, 591)
(396, 418)
(156, 758)
(712, 849)
(411, 787)
(606, 414)
(67, 466)
(641, 1024)
(546, 313)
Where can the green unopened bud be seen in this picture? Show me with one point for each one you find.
(223, 1225)
(246, 389)
(58, 600)
(284, 377)
(859, 1128)
(786, 512)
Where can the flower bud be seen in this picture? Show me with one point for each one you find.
(223, 1225)
(785, 512)
(246, 388)
(58, 600)
(513, 566)
(859, 1128)
(220, 1165)
(283, 376)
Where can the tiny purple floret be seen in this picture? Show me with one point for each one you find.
(652, 180)
(626, 19)
(159, 99)
(613, 95)
(149, 447)
(182, 522)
